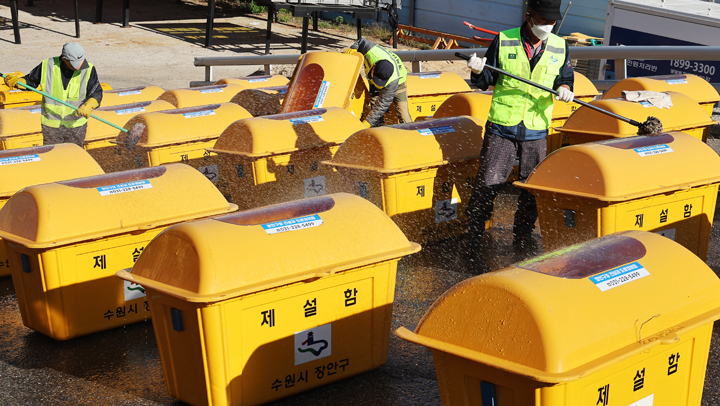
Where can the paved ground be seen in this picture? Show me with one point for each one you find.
(122, 366)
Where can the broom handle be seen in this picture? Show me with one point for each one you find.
(66, 104)
(555, 92)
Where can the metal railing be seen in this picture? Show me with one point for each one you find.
(617, 53)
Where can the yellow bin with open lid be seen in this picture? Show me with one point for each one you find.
(100, 136)
(20, 127)
(254, 82)
(421, 174)
(690, 85)
(181, 135)
(24, 167)
(667, 184)
(426, 91)
(200, 96)
(587, 125)
(622, 320)
(131, 95)
(263, 304)
(67, 239)
(275, 159)
(327, 79)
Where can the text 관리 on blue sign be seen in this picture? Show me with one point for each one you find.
(653, 150)
(124, 187)
(19, 159)
(295, 224)
(619, 276)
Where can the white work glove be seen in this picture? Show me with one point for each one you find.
(565, 94)
(476, 64)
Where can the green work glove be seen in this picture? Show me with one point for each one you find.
(87, 107)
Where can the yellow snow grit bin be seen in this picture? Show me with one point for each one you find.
(254, 82)
(625, 319)
(131, 95)
(200, 96)
(317, 82)
(426, 92)
(275, 159)
(181, 135)
(24, 167)
(420, 174)
(264, 101)
(20, 127)
(13, 98)
(586, 125)
(240, 322)
(64, 255)
(688, 84)
(100, 136)
(666, 184)
(585, 91)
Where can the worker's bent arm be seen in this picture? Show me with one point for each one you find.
(381, 103)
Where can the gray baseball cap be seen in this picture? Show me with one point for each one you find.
(73, 53)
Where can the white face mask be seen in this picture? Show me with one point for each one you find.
(541, 31)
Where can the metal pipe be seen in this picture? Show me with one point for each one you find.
(563, 17)
(98, 11)
(126, 13)
(16, 23)
(209, 25)
(77, 20)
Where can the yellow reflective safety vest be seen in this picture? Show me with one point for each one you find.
(514, 101)
(55, 114)
(378, 53)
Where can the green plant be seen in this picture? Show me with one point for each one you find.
(324, 24)
(339, 20)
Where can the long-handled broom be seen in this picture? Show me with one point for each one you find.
(133, 135)
(651, 126)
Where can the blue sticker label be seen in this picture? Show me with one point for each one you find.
(19, 159)
(305, 120)
(676, 81)
(292, 224)
(199, 114)
(128, 93)
(216, 90)
(619, 276)
(429, 76)
(436, 130)
(320, 100)
(124, 187)
(130, 111)
(35, 111)
(258, 80)
(653, 150)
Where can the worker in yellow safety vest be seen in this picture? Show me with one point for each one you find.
(72, 79)
(520, 114)
(387, 76)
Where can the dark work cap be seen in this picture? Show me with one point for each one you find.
(548, 9)
(382, 72)
(73, 53)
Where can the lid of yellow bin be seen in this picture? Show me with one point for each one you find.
(199, 96)
(77, 210)
(24, 167)
(119, 115)
(583, 87)
(254, 82)
(283, 133)
(11, 96)
(411, 146)
(475, 104)
(318, 82)
(693, 86)
(130, 95)
(577, 311)
(627, 168)
(184, 125)
(20, 120)
(685, 114)
(250, 251)
(429, 83)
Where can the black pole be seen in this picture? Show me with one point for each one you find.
(315, 20)
(77, 20)
(98, 11)
(359, 28)
(210, 19)
(16, 23)
(268, 31)
(126, 13)
(306, 22)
